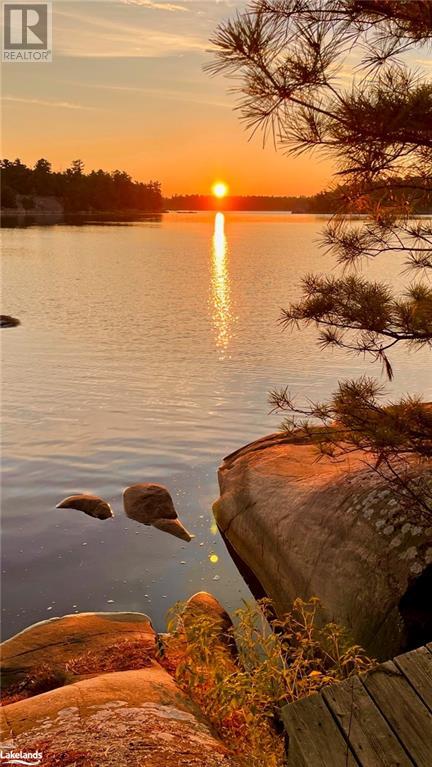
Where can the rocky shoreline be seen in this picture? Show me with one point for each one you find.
(99, 689)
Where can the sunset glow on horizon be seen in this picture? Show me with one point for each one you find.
(220, 189)
(127, 90)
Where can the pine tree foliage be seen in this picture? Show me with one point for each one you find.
(344, 78)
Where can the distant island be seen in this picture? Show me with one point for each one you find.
(323, 202)
(330, 201)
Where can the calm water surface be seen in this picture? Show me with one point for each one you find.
(146, 353)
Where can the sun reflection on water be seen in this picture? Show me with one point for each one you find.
(221, 293)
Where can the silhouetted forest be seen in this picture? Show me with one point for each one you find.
(323, 202)
(320, 203)
(75, 189)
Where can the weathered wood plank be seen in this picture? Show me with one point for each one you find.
(371, 738)
(417, 667)
(404, 711)
(314, 739)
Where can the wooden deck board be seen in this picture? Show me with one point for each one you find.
(381, 719)
(417, 667)
(327, 747)
(404, 711)
(372, 739)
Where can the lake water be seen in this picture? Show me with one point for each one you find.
(146, 353)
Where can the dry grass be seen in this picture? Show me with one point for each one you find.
(280, 661)
(121, 656)
(41, 679)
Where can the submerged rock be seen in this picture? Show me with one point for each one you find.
(173, 527)
(298, 527)
(151, 504)
(6, 321)
(91, 505)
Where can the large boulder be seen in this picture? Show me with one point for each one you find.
(299, 527)
(128, 718)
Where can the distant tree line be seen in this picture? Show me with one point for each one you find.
(331, 201)
(319, 203)
(98, 190)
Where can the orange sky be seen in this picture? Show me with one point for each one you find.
(126, 89)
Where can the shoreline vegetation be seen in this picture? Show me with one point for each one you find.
(41, 193)
(41, 190)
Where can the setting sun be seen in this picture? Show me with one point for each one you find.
(220, 189)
